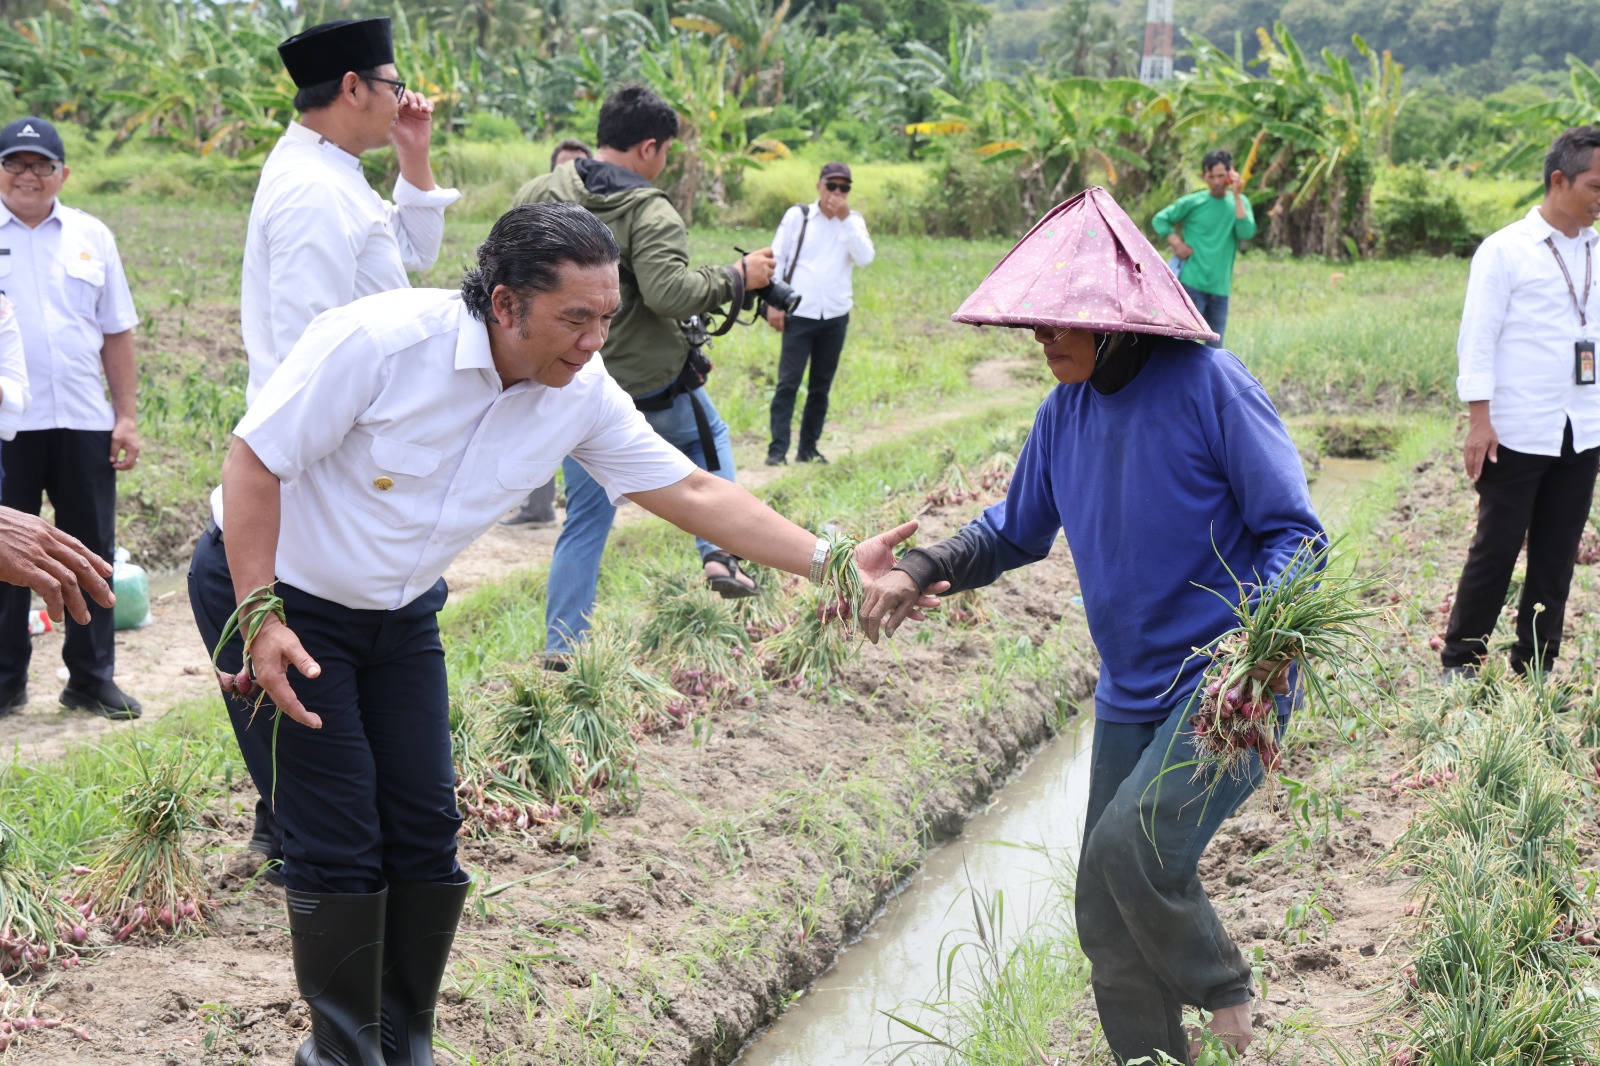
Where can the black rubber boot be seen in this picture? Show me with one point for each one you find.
(338, 963)
(416, 949)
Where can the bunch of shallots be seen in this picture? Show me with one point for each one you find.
(1308, 614)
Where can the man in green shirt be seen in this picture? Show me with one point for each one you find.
(1204, 229)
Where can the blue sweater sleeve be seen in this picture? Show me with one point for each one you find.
(1264, 472)
(1018, 530)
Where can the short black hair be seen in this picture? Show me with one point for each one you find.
(571, 144)
(1572, 153)
(318, 96)
(1220, 155)
(633, 114)
(527, 247)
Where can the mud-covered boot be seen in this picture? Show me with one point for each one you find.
(416, 949)
(338, 964)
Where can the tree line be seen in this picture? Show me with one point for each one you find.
(755, 79)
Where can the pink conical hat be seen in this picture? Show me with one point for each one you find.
(1086, 266)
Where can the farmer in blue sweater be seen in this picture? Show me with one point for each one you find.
(1166, 466)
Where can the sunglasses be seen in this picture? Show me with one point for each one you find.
(835, 186)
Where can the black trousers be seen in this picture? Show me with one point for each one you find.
(370, 797)
(817, 342)
(72, 467)
(1544, 499)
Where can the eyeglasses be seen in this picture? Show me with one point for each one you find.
(399, 86)
(42, 169)
(834, 186)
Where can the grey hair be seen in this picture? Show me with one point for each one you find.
(1571, 154)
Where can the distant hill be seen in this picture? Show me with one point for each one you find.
(1505, 38)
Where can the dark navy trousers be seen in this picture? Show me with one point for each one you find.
(72, 468)
(370, 797)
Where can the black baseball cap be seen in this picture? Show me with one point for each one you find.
(32, 134)
(835, 170)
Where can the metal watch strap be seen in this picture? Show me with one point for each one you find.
(819, 561)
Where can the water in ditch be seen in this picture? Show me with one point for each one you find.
(839, 1019)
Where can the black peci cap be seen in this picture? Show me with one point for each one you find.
(32, 135)
(329, 50)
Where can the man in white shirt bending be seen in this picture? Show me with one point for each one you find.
(1527, 362)
(319, 236)
(817, 246)
(397, 431)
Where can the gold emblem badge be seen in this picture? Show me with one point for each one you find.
(383, 484)
(85, 255)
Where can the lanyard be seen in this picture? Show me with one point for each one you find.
(1588, 278)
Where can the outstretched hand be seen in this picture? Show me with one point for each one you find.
(891, 595)
(37, 555)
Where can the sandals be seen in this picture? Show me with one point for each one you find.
(728, 585)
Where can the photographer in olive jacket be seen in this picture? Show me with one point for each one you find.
(648, 352)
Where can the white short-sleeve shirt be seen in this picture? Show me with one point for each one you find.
(397, 446)
(65, 279)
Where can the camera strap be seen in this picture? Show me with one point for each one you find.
(794, 260)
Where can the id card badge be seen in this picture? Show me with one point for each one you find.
(1583, 366)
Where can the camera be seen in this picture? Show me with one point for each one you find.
(774, 294)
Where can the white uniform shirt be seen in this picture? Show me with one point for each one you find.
(65, 280)
(397, 446)
(833, 246)
(13, 372)
(1515, 348)
(319, 237)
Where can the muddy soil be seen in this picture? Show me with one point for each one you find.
(641, 890)
(654, 884)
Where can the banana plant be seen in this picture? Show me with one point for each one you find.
(1580, 108)
(1321, 132)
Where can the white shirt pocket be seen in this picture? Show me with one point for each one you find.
(84, 281)
(399, 469)
(521, 476)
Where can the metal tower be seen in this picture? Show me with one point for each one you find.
(1155, 64)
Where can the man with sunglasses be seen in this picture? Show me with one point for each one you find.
(319, 236)
(60, 268)
(817, 246)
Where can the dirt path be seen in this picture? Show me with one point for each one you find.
(164, 663)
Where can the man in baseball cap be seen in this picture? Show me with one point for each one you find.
(60, 268)
(32, 135)
(818, 245)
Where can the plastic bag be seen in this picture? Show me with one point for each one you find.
(132, 587)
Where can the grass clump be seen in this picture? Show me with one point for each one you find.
(147, 878)
(37, 927)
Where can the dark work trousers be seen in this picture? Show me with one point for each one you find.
(1545, 499)
(1153, 940)
(370, 797)
(72, 467)
(817, 341)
